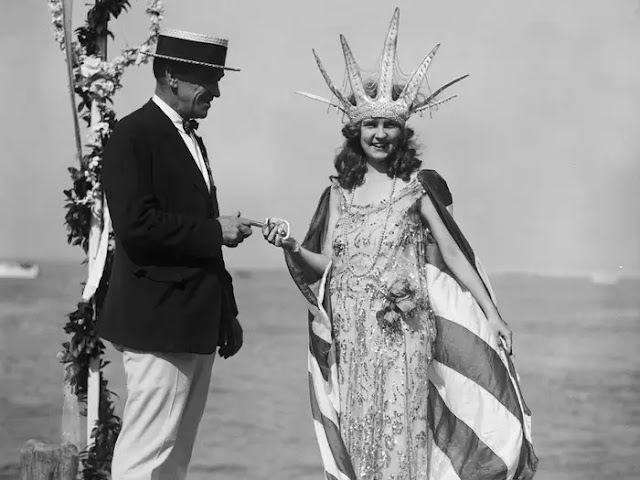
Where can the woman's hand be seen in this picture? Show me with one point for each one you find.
(276, 232)
(313, 265)
(501, 330)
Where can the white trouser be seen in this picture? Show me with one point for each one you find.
(167, 393)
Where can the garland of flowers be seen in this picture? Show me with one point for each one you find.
(95, 82)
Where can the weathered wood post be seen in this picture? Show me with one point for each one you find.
(97, 224)
(44, 461)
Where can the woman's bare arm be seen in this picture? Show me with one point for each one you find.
(312, 264)
(462, 269)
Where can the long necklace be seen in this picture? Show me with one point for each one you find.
(348, 226)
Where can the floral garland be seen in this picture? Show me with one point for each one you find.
(95, 82)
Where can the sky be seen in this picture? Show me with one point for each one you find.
(540, 148)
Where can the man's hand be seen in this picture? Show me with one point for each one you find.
(230, 339)
(234, 229)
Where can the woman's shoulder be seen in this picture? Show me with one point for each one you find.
(335, 188)
(432, 179)
(419, 177)
(427, 174)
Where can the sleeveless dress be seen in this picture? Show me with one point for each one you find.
(406, 378)
(383, 329)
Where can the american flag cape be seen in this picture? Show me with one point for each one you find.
(480, 425)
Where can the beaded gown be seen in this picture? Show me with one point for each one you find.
(383, 329)
(406, 378)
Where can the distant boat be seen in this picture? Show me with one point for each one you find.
(10, 269)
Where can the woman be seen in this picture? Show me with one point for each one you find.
(400, 307)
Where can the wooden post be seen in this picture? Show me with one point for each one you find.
(67, 11)
(93, 382)
(43, 461)
(70, 422)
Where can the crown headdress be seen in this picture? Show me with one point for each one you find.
(383, 103)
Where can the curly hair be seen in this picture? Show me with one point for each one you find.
(351, 161)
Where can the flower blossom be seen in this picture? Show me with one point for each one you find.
(91, 65)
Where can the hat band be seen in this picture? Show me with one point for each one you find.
(188, 50)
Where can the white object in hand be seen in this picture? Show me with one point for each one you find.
(274, 220)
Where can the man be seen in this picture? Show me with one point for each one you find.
(170, 301)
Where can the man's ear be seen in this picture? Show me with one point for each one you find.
(170, 78)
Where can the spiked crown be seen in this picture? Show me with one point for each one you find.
(382, 104)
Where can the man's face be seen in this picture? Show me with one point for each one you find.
(196, 89)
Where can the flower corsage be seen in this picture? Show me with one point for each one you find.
(399, 304)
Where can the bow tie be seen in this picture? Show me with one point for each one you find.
(190, 126)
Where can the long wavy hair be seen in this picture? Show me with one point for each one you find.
(351, 162)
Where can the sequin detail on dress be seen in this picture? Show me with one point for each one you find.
(383, 329)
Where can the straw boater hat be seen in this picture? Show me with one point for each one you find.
(195, 48)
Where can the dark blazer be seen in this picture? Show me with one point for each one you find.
(169, 289)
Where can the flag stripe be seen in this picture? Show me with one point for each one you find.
(459, 349)
(333, 436)
(528, 462)
(320, 349)
(498, 429)
(512, 370)
(470, 457)
(440, 467)
(451, 302)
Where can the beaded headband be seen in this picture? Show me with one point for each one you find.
(382, 105)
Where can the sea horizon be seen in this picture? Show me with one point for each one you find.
(604, 276)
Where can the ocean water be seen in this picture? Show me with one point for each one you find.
(577, 349)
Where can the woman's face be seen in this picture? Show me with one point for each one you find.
(379, 137)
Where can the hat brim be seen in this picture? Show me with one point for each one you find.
(194, 62)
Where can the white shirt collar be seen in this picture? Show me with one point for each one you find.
(169, 112)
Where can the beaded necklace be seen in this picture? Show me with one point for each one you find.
(348, 225)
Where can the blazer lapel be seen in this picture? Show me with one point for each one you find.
(205, 157)
(183, 154)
